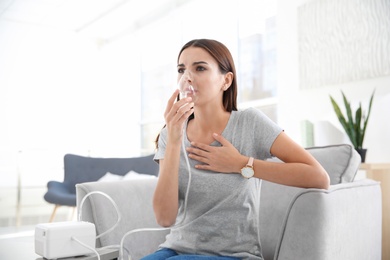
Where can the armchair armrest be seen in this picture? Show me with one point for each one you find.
(343, 222)
(134, 200)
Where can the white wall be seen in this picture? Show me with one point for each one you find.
(296, 105)
(61, 93)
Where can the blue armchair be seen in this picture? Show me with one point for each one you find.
(79, 169)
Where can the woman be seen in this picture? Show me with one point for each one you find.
(227, 151)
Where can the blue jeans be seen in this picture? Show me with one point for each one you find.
(166, 253)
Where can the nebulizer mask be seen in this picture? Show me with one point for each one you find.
(185, 86)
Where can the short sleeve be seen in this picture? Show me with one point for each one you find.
(162, 144)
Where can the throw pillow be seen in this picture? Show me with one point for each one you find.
(110, 177)
(132, 175)
(340, 161)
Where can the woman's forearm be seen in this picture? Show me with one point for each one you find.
(166, 195)
(292, 174)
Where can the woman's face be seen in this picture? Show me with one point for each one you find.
(203, 73)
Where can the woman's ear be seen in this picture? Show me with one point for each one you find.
(228, 80)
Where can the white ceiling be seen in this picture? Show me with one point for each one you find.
(103, 20)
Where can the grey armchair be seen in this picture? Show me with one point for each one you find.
(79, 169)
(342, 223)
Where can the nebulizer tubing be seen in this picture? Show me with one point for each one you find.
(189, 90)
(184, 209)
(113, 203)
(184, 91)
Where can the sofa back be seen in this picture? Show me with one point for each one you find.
(79, 169)
(340, 161)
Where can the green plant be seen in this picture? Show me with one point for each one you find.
(354, 127)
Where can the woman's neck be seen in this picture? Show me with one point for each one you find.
(205, 123)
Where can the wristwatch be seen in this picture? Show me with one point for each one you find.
(247, 171)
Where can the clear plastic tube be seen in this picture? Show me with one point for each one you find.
(186, 89)
(121, 246)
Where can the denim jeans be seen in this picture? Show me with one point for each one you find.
(166, 253)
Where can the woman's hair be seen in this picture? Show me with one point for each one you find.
(225, 62)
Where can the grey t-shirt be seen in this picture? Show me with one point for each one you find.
(223, 209)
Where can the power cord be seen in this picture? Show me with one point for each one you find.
(87, 246)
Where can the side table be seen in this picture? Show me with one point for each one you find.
(381, 172)
(23, 247)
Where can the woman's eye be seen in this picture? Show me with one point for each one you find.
(180, 70)
(200, 68)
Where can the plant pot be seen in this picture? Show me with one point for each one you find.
(362, 153)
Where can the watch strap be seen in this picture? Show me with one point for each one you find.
(250, 162)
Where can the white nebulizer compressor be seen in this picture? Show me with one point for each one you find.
(64, 239)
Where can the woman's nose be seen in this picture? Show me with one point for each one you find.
(187, 76)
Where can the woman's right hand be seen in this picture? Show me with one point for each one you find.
(176, 113)
(166, 195)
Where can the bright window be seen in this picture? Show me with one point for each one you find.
(247, 28)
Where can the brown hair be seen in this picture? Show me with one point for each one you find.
(225, 63)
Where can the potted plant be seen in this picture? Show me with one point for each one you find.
(354, 125)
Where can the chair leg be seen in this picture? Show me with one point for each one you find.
(72, 214)
(53, 214)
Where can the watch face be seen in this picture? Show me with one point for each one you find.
(247, 172)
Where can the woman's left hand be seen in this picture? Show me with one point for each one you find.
(225, 158)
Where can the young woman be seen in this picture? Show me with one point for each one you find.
(227, 149)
